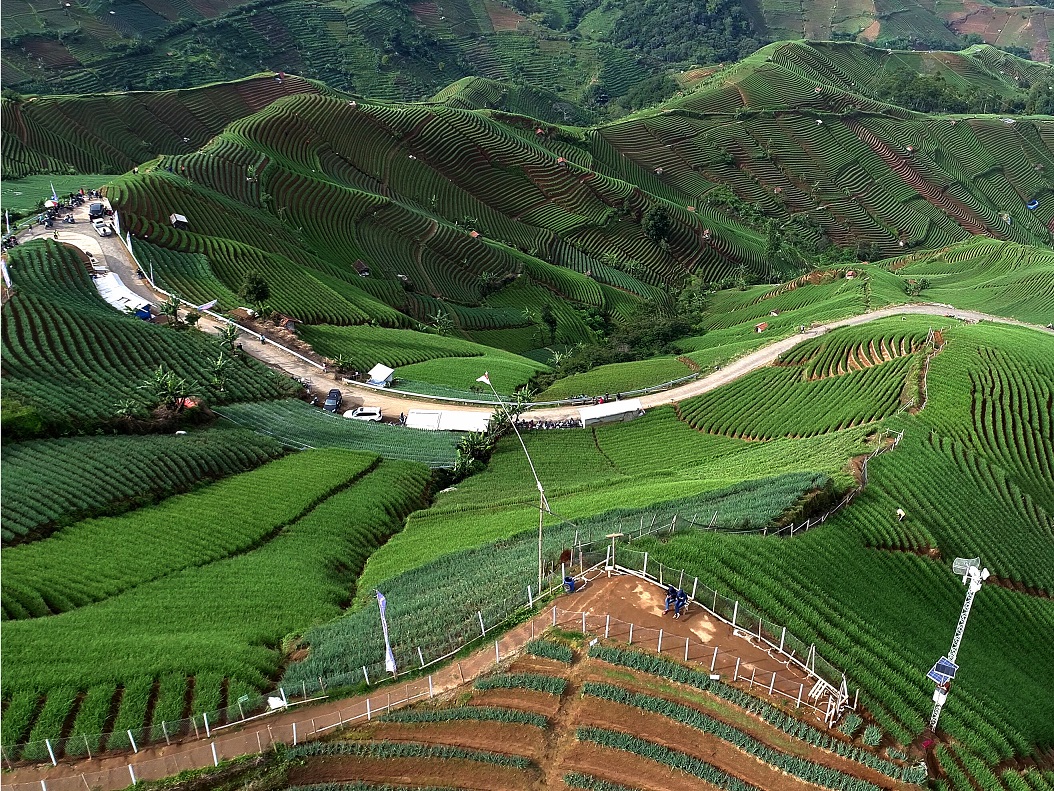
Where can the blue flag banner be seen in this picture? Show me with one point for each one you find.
(389, 657)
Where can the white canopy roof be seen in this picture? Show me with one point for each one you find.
(608, 409)
(380, 372)
(114, 291)
(447, 420)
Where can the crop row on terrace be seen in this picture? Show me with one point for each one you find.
(295, 424)
(101, 558)
(201, 634)
(839, 381)
(102, 473)
(137, 125)
(678, 673)
(57, 330)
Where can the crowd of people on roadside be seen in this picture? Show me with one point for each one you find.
(534, 425)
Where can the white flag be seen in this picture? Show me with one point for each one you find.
(484, 378)
(54, 195)
(207, 305)
(389, 657)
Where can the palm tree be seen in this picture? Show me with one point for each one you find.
(228, 336)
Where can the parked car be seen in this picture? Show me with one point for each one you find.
(96, 210)
(333, 400)
(101, 227)
(370, 413)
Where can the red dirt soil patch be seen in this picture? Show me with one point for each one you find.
(502, 17)
(538, 664)
(520, 699)
(704, 746)
(617, 766)
(412, 771)
(733, 715)
(507, 737)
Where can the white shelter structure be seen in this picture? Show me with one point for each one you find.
(114, 291)
(381, 375)
(610, 412)
(447, 420)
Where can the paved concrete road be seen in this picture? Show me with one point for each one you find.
(116, 256)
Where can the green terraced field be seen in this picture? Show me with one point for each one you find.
(295, 424)
(58, 331)
(982, 274)
(109, 474)
(219, 622)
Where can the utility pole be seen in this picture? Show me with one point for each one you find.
(943, 672)
(543, 504)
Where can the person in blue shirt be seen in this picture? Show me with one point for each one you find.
(569, 584)
(680, 600)
(671, 597)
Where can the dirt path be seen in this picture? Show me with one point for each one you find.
(623, 599)
(116, 256)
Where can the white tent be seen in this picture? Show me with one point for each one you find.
(610, 412)
(447, 420)
(114, 291)
(381, 375)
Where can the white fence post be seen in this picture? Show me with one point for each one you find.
(783, 636)
(801, 689)
(294, 735)
(583, 622)
(431, 692)
(735, 612)
(659, 649)
(482, 628)
(644, 571)
(131, 773)
(607, 626)
(208, 732)
(369, 716)
(530, 598)
(554, 616)
(687, 640)
(735, 675)
(695, 585)
(420, 656)
(51, 752)
(713, 662)
(772, 683)
(365, 675)
(497, 656)
(631, 634)
(216, 758)
(131, 738)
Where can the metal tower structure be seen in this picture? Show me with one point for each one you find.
(943, 671)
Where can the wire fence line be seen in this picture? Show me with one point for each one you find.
(219, 744)
(590, 554)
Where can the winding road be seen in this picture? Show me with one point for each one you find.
(116, 256)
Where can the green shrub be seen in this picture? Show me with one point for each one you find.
(850, 724)
(480, 713)
(536, 682)
(872, 735)
(550, 650)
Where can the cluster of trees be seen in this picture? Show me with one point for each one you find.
(932, 93)
(681, 31)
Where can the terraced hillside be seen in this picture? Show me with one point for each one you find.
(471, 220)
(177, 631)
(567, 716)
